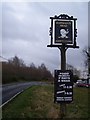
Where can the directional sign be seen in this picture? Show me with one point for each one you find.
(63, 32)
(63, 86)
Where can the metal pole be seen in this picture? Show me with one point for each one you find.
(63, 67)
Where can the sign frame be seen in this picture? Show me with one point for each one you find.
(63, 17)
(64, 88)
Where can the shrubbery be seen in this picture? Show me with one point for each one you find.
(15, 70)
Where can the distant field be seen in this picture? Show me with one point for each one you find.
(37, 102)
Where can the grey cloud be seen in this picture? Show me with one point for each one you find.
(30, 29)
(28, 35)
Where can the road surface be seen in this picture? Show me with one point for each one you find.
(11, 90)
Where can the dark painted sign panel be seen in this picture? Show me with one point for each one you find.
(63, 85)
(63, 32)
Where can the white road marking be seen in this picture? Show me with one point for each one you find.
(11, 98)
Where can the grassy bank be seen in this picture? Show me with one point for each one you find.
(37, 102)
(79, 108)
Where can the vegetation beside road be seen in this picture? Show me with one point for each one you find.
(15, 70)
(37, 102)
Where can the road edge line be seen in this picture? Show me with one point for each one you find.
(11, 99)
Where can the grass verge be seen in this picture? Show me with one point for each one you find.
(37, 102)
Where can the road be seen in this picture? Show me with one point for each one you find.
(9, 91)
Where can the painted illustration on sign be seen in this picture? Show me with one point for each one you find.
(63, 32)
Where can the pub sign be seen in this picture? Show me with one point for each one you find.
(63, 32)
(63, 86)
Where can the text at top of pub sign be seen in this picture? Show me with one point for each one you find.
(63, 32)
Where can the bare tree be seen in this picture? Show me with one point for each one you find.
(17, 62)
(86, 52)
(73, 69)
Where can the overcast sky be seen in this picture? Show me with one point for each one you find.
(25, 32)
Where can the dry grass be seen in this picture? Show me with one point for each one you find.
(38, 102)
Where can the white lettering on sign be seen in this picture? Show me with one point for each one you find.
(64, 98)
(63, 77)
(68, 93)
(65, 80)
(64, 86)
(61, 92)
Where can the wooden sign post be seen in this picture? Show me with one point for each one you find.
(63, 34)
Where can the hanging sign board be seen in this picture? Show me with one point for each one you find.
(63, 32)
(63, 86)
